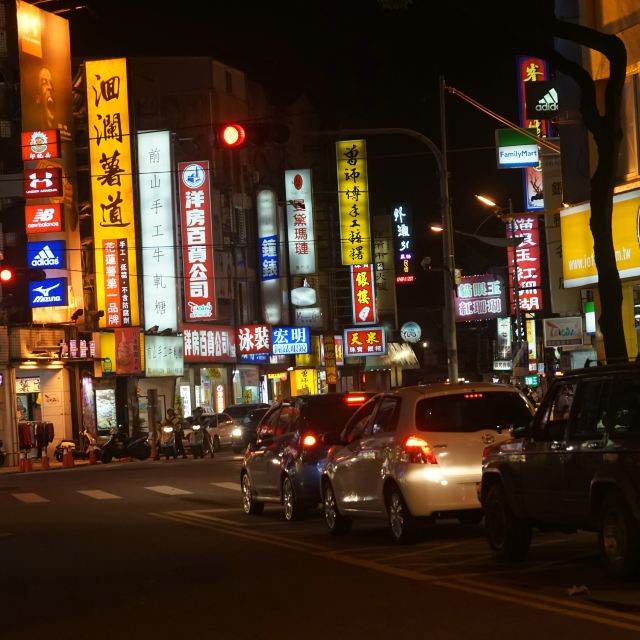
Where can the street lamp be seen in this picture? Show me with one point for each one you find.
(514, 242)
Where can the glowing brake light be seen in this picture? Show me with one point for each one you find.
(309, 441)
(473, 395)
(355, 399)
(419, 450)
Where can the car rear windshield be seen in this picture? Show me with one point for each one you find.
(240, 411)
(468, 412)
(328, 414)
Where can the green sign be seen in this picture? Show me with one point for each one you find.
(531, 381)
(514, 149)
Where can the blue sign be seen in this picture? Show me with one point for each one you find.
(254, 357)
(290, 340)
(268, 258)
(46, 254)
(51, 292)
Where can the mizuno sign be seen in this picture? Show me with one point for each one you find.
(48, 293)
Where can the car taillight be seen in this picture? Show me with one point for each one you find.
(485, 452)
(473, 395)
(309, 441)
(419, 450)
(358, 399)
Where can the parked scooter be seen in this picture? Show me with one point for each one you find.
(121, 445)
(196, 440)
(78, 452)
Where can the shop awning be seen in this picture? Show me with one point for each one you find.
(399, 354)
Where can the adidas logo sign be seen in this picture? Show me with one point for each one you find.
(548, 102)
(45, 258)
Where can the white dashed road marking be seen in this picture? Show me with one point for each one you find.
(233, 486)
(97, 494)
(166, 490)
(29, 498)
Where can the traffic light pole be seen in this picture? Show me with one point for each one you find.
(447, 224)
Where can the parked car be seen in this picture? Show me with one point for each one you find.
(220, 427)
(284, 465)
(575, 467)
(415, 454)
(245, 434)
(240, 411)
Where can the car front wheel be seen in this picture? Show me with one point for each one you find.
(404, 527)
(336, 522)
(293, 510)
(249, 505)
(619, 538)
(509, 538)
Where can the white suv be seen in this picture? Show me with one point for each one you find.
(417, 453)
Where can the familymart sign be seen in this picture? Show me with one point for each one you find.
(515, 150)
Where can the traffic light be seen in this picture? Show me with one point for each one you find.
(234, 134)
(6, 275)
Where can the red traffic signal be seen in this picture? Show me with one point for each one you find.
(232, 135)
(6, 275)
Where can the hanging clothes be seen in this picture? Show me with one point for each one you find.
(25, 435)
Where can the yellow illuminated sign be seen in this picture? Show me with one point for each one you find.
(353, 199)
(578, 262)
(304, 382)
(112, 190)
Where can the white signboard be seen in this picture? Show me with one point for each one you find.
(156, 230)
(309, 317)
(560, 332)
(301, 238)
(269, 256)
(163, 356)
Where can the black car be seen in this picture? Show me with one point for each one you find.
(245, 434)
(285, 464)
(576, 466)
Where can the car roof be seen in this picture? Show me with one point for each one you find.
(601, 369)
(445, 389)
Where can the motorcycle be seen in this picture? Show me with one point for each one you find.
(121, 445)
(79, 452)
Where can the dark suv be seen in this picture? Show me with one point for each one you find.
(285, 463)
(577, 466)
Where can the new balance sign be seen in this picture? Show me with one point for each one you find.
(43, 218)
(541, 100)
(51, 292)
(49, 254)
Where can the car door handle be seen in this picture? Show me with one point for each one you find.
(556, 446)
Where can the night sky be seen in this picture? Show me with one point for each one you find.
(363, 66)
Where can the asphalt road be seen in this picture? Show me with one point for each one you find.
(163, 550)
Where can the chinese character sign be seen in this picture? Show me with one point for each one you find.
(156, 230)
(329, 348)
(272, 287)
(304, 382)
(385, 284)
(353, 200)
(253, 339)
(363, 297)
(163, 356)
(532, 70)
(197, 242)
(290, 340)
(301, 240)
(480, 298)
(402, 235)
(112, 191)
(527, 259)
(268, 246)
(365, 342)
(209, 343)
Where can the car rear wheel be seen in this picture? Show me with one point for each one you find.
(293, 510)
(619, 538)
(249, 505)
(509, 538)
(404, 527)
(336, 522)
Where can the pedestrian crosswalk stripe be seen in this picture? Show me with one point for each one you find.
(168, 491)
(30, 498)
(97, 494)
(234, 486)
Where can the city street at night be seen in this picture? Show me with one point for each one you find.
(163, 549)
